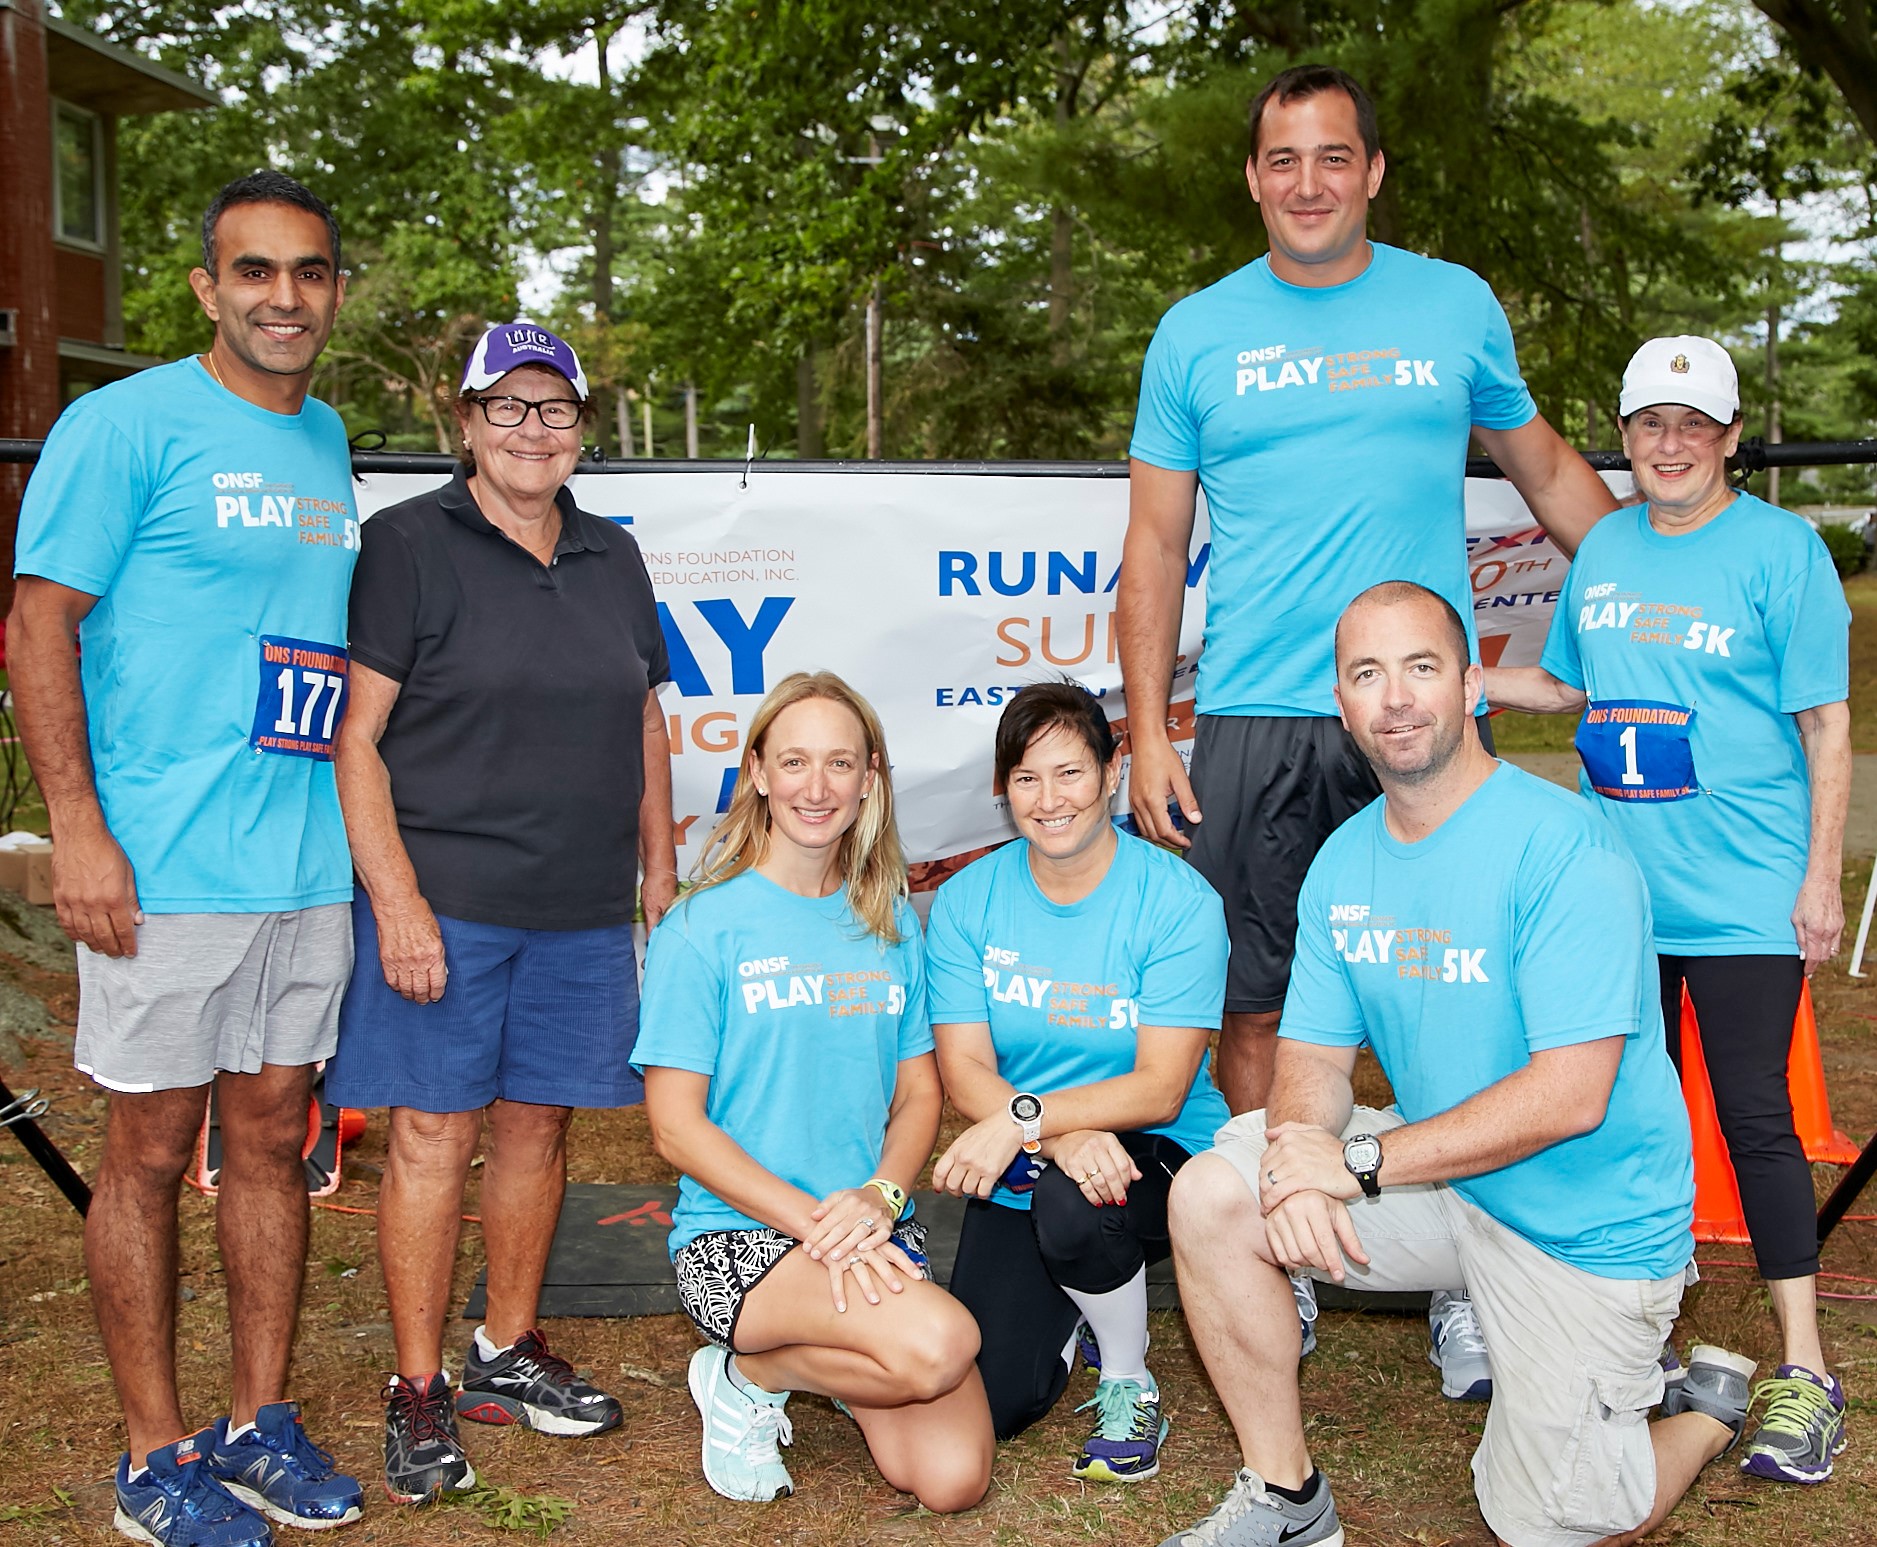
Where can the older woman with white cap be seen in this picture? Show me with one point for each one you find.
(505, 775)
(1705, 636)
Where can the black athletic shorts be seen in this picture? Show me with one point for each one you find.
(1270, 789)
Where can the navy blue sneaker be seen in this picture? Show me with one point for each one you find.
(277, 1470)
(178, 1503)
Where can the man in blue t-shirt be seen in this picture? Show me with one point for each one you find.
(178, 666)
(1322, 397)
(1488, 937)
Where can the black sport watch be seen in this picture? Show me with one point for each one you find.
(1362, 1158)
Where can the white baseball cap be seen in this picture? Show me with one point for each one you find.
(1683, 369)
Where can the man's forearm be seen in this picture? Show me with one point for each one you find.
(1309, 1089)
(49, 707)
(1147, 629)
(1510, 1119)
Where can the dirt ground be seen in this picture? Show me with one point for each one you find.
(1395, 1451)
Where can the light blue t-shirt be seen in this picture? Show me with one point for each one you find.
(1064, 986)
(800, 1018)
(1329, 429)
(1519, 925)
(1696, 652)
(219, 539)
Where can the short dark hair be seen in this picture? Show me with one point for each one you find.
(1393, 592)
(263, 187)
(1306, 80)
(1047, 706)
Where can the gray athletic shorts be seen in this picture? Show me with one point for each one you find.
(1565, 1458)
(209, 991)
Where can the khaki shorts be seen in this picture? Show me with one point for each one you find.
(1565, 1459)
(211, 991)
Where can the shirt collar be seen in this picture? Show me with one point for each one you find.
(579, 532)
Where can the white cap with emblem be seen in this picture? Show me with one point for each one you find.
(1683, 369)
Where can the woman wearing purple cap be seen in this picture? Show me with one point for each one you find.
(1705, 637)
(505, 774)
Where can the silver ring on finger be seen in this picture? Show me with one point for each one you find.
(867, 1225)
(1271, 1177)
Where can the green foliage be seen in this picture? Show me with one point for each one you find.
(33, 1514)
(1846, 547)
(720, 188)
(539, 1514)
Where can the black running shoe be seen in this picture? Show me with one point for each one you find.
(526, 1384)
(423, 1454)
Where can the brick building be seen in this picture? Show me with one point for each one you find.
(62, 91)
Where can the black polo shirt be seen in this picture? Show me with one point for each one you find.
(516, 746)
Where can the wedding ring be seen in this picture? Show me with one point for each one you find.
(1271, 1177)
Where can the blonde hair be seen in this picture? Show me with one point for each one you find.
(872, 864)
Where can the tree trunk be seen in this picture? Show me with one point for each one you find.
(690, 420)
(1061, 221)
(808, 438)
(1772, 397)
(876, 355)
(605, 195)
(645, 418)
(622, 419)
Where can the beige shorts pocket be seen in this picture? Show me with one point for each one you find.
(1605, 1481)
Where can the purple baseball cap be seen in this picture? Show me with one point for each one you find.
(515, 344)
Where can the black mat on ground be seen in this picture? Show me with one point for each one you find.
(609, 1257)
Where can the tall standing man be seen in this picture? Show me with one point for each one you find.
(1323, 397)
(193, 529)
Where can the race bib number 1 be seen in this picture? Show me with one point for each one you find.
(302, 698)
(1637, 749)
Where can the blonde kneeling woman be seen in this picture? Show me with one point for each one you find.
(790, 1077)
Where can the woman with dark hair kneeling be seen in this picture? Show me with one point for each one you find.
(789, 1076)
(1076, 978)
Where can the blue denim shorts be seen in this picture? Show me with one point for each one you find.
(546, 1016)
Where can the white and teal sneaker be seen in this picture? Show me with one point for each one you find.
(743, 1428)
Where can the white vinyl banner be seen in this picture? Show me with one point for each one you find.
(936, 595)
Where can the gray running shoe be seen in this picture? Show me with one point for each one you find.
(1801, 1429)
(1719, 1384)
(527, 1384)
(1304, 1290)
(423, 1454)
(1458, 1348)
(1253, 1516)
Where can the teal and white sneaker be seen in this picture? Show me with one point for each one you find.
(743, 1427)
(1251, 1515)
(1802, 1429)
(1124, 1445)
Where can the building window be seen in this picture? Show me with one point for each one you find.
(78, 181)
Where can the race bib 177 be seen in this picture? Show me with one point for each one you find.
(302, 697)
(1638, 749)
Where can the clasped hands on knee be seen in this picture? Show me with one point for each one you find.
(851, 1234)
(1302, 1188)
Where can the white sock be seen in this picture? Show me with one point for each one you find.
(235, 1434)
(1119, 1321)
(134, 1473)
(484, 1348)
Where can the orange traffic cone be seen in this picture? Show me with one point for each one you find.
(1718, 1214)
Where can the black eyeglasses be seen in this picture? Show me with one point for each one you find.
(557, 413)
